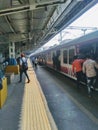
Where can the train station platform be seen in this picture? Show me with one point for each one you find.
(26, 107)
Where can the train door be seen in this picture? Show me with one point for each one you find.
(44, 58)
(58, 60)
(53, 57)
(49, 58)
(64, 63)
(71, 53)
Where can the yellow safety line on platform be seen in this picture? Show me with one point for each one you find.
(33, 115)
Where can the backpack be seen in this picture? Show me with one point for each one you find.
(24, 65)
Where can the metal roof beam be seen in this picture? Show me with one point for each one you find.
(14, 10)
(32, 6)
(41, 4)
(48, 3)
(9, 23)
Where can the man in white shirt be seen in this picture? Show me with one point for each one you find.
(89, 69)
(22, 69)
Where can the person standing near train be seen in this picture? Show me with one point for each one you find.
(89, 69)
(33, 61)
(77, 69)
(36, 62)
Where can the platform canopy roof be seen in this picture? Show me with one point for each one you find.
(31, 23)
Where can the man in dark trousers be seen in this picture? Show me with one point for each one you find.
(23, 60)
(89, 69)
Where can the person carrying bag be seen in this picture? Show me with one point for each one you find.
(23, 68)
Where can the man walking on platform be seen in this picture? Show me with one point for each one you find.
(23, 68)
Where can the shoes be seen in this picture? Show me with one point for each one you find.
(28, 81)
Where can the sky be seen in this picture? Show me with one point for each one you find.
(88, 19)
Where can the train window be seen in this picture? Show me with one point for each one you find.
(85, 49)
(65, 56)
(88, 49)
(71, 54)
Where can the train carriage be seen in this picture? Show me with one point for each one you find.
(60, 57)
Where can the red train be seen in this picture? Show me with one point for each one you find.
(60, 57)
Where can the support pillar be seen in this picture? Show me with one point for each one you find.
(12, 50)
